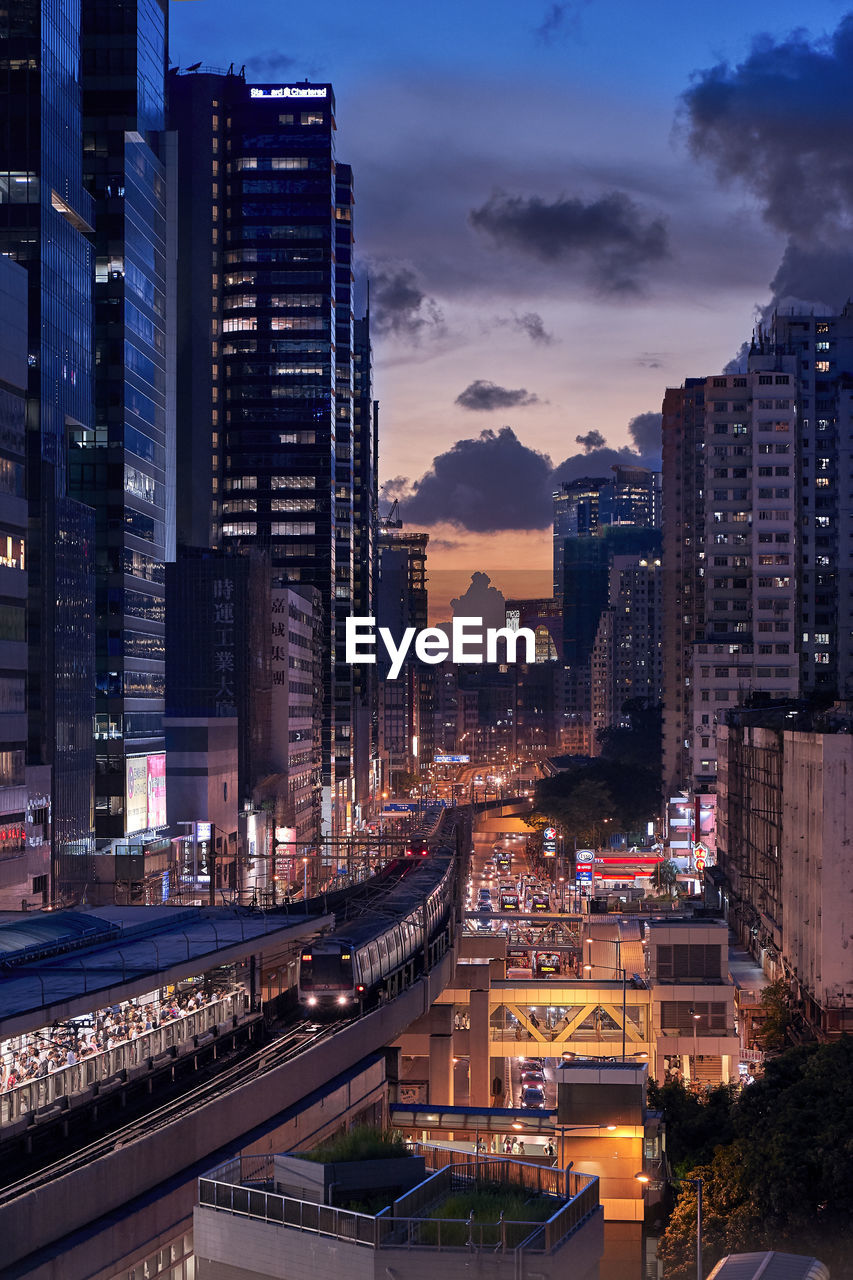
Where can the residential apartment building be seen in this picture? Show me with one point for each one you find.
(822, 347)
(783, 848)
(627, 656)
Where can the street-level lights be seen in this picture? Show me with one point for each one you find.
(697, 1183)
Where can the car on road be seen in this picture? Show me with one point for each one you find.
(533, 1097)
(535, 1075)
(531, 1064)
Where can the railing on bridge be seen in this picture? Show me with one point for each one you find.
(99, 1068)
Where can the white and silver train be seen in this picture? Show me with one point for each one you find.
(383, 951)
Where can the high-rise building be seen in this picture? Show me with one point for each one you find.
(124, 465)
(365, 446)
(632, 497)
(736, 577)
(627, 654)
(783, 851)
(575, 515)
(406, 704)
(24, 792)
(683, 559)
(266, 343)
(585, 597)
(46, 220)
(822, 347)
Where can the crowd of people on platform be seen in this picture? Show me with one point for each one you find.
(29, 1057)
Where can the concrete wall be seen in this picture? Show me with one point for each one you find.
(229, 1247)
(817, 862)
(138, 1230)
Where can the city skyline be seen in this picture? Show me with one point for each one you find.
(496, 292)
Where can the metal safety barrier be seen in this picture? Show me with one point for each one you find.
(101, 1068)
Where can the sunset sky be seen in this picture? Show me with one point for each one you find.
(562, 208)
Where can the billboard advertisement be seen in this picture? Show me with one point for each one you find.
(157, 790)
(136, 794)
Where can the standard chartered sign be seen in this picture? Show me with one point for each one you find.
(289, 91)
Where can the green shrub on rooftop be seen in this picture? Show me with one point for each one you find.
(364, 1142)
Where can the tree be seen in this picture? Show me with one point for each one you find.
(628, 797)
(577, 802)
(782, 1177)
(772, 1035)
(665, 875)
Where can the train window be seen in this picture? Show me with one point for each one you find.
(325, 969)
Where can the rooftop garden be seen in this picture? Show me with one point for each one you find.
(488, 1203)
(361, 1143)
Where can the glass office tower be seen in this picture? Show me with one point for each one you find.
(266, 381)
(46, 218)
(124, 463)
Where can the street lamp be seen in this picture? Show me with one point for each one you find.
(697, 1183)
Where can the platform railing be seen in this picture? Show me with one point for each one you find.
(99, 1068)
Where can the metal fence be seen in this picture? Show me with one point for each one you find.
(401, 1225)
(100, 1068)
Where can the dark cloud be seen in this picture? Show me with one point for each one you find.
(649, 360)
(816, 276)
(781, 124)
(610, 237)
(495, 482)
(396, 487)
(485, 484)
(596, 462)
(533, 325)
(273, 64)
(738, 363)
(645, 431)
(592, 440)
(560, 20)
(399, 305)
(485, 397)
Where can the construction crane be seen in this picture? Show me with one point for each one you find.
(392, 520)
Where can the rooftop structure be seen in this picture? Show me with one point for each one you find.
(243, 1220)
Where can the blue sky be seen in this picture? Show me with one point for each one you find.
(530, 211)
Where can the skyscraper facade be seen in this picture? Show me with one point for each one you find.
(683, 556)
(731, 551)
(266, 218)
(822, 348)
(406, 704)
(627, 657)
(124, 466)
(46, 219)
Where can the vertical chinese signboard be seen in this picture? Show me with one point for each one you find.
(222, 630)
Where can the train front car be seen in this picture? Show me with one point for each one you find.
(327, 984)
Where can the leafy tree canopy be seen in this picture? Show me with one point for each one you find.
(782, 1175)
